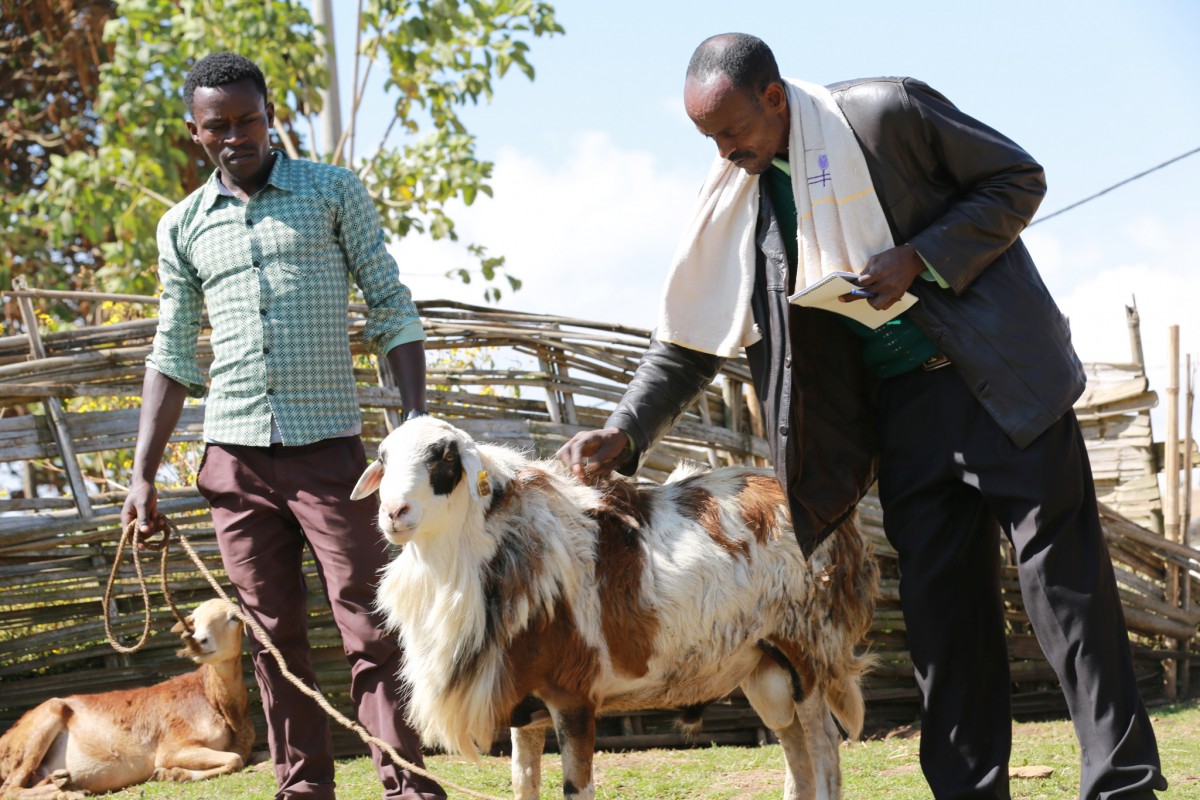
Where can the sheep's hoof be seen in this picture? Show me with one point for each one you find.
(60, 779)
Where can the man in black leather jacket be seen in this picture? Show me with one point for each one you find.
(969, 419)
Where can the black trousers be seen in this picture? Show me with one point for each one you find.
(949, 481)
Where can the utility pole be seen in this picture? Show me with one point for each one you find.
(331, 111)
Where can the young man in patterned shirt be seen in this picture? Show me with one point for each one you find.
(269, 246)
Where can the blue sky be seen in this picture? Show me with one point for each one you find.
(597, 165)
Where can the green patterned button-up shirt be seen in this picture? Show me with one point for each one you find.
(275, 275)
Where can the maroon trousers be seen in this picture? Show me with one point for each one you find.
(267, 504)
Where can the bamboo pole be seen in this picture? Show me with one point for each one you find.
(714, 458)
(1171, 490)
(54, 408)
(1133, 320)
(1171, 448)
(1185, 600)
(1189, 443)
(55, 294)
(568, 397)
(552, 405)
(383, 372)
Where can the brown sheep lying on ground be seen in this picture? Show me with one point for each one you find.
(188, 728)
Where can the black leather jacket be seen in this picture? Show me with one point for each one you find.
(960, 193)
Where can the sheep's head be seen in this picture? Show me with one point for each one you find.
(216, 633)
(420, 475)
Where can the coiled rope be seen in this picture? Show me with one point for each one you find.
(131, 536)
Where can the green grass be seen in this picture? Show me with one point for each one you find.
(886, 768)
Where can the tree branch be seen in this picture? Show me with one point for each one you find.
(354, 83)
(121, 180)
(360, 89)
(363, 175)
(288, 145)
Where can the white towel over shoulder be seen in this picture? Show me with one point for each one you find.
(706, 302)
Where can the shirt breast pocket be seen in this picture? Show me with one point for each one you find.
(300, 237)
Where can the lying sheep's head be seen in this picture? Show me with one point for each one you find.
(216, 633)
(420, 473)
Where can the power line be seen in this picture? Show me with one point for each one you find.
(1115, 186)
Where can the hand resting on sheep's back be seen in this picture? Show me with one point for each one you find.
(525, 597)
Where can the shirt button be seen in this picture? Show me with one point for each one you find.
(262, 311)
(270, 391)
(249, 223)
(266, 350)
(783, 430)
(257, 265)
(787, 361)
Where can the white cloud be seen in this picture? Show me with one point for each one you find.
(590, 238)
(1158, 277)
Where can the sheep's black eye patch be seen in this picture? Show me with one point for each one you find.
(445, 466)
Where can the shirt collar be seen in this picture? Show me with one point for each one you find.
(282, 177)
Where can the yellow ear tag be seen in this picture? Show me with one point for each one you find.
(483, 484)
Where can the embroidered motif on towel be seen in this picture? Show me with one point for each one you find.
(823, 177)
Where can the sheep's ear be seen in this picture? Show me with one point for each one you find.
(178, 626)
(369, 482)
(478, 481)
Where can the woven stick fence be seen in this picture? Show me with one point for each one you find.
(522, 379)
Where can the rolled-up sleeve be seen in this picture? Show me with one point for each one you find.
(392, 317)
(179, 310)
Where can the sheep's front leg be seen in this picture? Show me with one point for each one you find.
(528, 742)
(45, 791)
(52, 787)
(576, 729)
(197, 764)
(823, 741)
(799, 782)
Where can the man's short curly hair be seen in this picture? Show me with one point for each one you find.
(222, 69)
(744, 59)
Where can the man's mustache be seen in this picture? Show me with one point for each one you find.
(738, 155)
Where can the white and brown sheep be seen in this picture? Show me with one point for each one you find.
(521, 590)
(187, 728)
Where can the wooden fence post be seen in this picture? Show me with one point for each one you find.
(560, 404)
(757, 426)
(552, 406)
(1171, 497)
(383, 370)
(54, 407)
(714, 458)
(1185, 599)
(1134, 323)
